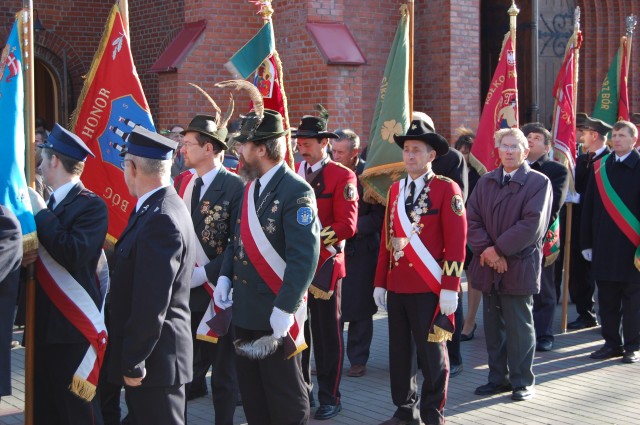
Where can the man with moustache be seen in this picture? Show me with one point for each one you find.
(269, 264)
(212, 196)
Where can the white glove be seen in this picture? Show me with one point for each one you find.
(222, 293)
(37, 203)
(380, 298)
(587, 254)
(198, 277)
(280, 322)
(573, 197)
(448, 301)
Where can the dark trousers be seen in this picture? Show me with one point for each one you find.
(582, 286)
(202, 358)
(328, 346)
(620, 314)
(544, 304)
(273, 389)
(156, 405)
(8, 296)
(54, 367)
(224, 380)
(510, 337)
(359, 338)
(410, 317)
(453, 346)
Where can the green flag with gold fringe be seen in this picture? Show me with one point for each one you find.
(391, 117)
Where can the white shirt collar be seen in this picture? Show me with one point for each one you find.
(599, 151)
(143, 198)
(60, 193)
(623, 157)
(207, 179)
(318, 165)
(420, 182)
(266, 177)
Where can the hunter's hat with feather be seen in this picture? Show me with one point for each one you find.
(315, 127)
(214, 127)
(260, 124)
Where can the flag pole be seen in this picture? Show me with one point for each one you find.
(411, 45)
(513, 21)
(569, 213)
(29, 106)
(124, 12)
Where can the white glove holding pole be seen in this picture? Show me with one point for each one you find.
(37, 203)
(448, 301)
(380, 298)
(222, 293)
(199, 277)
(587, 254)
(280, 322)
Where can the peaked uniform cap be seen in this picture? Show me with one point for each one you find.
(148, 144)
(67, 143)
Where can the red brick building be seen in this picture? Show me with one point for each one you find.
(456, 46)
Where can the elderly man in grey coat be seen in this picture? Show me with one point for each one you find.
(507, 216)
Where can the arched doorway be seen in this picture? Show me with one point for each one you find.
(47, 94)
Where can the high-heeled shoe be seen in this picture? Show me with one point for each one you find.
(465, 337)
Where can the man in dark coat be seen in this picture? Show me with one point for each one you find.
(508, 214)
(592, 132)
(544, 303)
(153, 263)
(611, 241)
(10, 257)
(361, 253)
(72, 228)
(270, 264)
(212, 195)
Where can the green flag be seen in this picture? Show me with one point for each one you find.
(606, 108)
(391, 117)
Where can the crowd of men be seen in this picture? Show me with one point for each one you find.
(248, 273)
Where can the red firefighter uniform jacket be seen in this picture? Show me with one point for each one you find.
(336, 191)
(438, 211)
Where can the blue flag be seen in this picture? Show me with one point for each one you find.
(13, 185)
(246, 60)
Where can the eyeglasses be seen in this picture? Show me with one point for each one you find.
(510, 148)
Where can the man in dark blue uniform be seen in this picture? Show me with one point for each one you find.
(71, 228)
(151, 347)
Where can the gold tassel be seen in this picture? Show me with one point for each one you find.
(30, 242)
(298, 350)
(207, 338)
(82, 388)
(549, 260)
(319, 293)
(439, 335)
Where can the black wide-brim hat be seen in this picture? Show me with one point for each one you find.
(585, 121)
(421, 130)
(206, 125)
(254, 130)
(313, 128)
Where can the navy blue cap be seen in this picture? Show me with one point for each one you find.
(148, 144)
(66, 143)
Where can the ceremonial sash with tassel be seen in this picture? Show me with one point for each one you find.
(72, 300)
(442, 327)
(270, 266)
(617, 210)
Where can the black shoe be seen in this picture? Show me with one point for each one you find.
(465, 337)
(491, 389)
(606, 353)
(455, 370)
(544, 345)
(327, 411)
(631, 357)
(580, 323)
(523, 393)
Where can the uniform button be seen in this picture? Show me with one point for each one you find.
(244, 281)
(244, 263)
(238, 221)
(235, 277)
(235, 258)
(410, 265)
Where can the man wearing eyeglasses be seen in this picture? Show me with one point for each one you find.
(507, 214)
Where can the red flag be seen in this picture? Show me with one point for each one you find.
(623, 102)
(564, 117)
(268, 78)
(111, 104)
(500, 107)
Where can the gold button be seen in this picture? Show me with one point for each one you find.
(235, 258)
(396, 264)
(244, 281)
(410, 265)
(238, 221)
(244, 263)
(235, 277)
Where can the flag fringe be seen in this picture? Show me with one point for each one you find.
(285, 106)
(439, 335)
(319, 293)
(392, 170)
(82, 388)
(207, 338)
(477, 165)
(30, 242)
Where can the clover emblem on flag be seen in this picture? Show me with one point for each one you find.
(389, 129)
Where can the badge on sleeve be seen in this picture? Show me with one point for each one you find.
(350, 192)
(457, 205)
(305, 216)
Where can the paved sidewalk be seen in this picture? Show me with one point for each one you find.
(571, 388)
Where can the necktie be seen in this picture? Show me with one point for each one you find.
(51, 202)
(506, 179)
(195, 196)
(408, 203)
(256, 193)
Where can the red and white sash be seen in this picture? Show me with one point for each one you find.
(415, 251)
(186, 189)
(72, 300)
(269, 264)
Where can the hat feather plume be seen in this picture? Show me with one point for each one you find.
(252, 91)
(228, 114)
(322, 112)
(211, 101)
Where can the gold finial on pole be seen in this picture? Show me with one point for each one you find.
(265, 10)
(513, 14)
